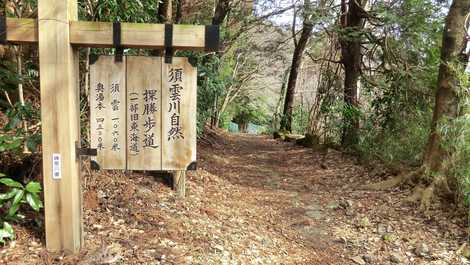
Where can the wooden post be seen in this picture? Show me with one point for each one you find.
(179, 183)
(60, 125)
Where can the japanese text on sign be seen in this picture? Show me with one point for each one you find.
(175, 80)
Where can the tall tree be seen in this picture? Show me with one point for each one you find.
(165, 11)
(454, 59)
(221, 10)
(352, 23)
(179, 11)
(286, 122)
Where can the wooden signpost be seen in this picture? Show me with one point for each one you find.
(151, 98)
(143, 113)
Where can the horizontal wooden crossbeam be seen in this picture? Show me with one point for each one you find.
(133, 35)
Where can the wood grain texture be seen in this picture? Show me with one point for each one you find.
(144, 95)
(22, 30)
(136, 35)
(179, 183)
(100, 34)
(108, 112)
(179, 150)
(60, 125)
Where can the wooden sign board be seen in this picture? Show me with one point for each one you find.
(143, 113)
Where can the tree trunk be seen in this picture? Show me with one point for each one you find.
(351, 22)
(282, 95)
(179, 11)
(221, 10)
(222, 108)
(453, 58)
(165, 11)
(220, 13)
(214, 121)
(286, 122)
(243, 127)
(164, 15)
(19, 69)
(453, 62)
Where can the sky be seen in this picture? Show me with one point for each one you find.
(263, 7)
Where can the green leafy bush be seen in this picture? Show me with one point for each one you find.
(401, 144)
(15, 134)
(300, 119)
(15, 194)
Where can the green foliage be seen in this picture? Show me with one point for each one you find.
(17, 194)
(8, 81)
(246, 110)
(13, 195)
(455, 135)
(213, 77)
(332, 110)
(211, 84)
(15, 135)
(300, 120)
(399, 97)
(402, 144)
(119, 10)
(6, 232)
(225, 119)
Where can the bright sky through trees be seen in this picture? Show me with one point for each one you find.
(267, 6)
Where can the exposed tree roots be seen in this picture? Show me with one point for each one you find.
(394, 182)
(426, 186)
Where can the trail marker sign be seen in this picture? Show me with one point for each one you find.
(143, 113)
(59, 35)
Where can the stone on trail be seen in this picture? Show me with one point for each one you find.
(358, 260)
(381, 229)
(396, 258)
(314, 214)
(364, 223)
(422, 249)
(333, 205)
(369, 258)
(346, 204)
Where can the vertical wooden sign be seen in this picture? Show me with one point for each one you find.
(108, 112)
(179, 93)
(143, 113)
(144, 101)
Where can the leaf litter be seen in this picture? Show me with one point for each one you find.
(253, 200)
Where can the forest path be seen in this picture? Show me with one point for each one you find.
(253, 200)
(315, 199)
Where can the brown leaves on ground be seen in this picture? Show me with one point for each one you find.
(253, 200)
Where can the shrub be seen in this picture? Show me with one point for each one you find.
(15, 194)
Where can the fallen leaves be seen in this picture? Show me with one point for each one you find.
(252, 201)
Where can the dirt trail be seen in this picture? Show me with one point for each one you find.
(253, 200)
